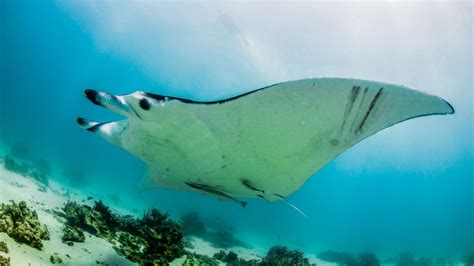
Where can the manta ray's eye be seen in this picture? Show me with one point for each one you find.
(144, 104)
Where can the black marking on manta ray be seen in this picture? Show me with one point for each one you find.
(349, 104)
(262, 197)
(215, 191)
(159, 97)
(95, 127)
(362, 100)
(135, 112)
(92, 96)
(144, 104)
(249, 185)
(81, 121)
(371, 107)
(278, 195)
(199, 186)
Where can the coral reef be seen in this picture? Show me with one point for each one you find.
(55, 259)
(98, 220)
(279, 256)
(220, 237)
(469, 259)
(38, 170)
(152, 240)
(192, 224)
(199, 260)
(224, 239)
(423, 262)
(22, 224)
(368, 259)
(3, 246)
(406, 259)
(441, 261)
(19, 150)
(4, 261)
(232, 259)
(72, 234)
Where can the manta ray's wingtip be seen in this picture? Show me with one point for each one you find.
(450, 106)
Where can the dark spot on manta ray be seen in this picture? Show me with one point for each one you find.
(167, 169)
(334, 142)
(144, 104)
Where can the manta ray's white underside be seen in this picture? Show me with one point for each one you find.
(265, 143)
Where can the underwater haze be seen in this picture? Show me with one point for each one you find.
(408, 188)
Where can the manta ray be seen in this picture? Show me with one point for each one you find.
(261, 144)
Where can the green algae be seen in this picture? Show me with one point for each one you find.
(22, 224)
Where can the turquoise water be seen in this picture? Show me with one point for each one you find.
(408, 188)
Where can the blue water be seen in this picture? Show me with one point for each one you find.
(407, 188)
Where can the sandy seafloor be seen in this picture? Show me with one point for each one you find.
(93, 250)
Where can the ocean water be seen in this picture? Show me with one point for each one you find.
(407, 188)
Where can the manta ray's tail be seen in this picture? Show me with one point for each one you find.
(291, 205)
(295, 208)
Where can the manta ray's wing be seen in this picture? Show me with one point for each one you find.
(275, 138)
